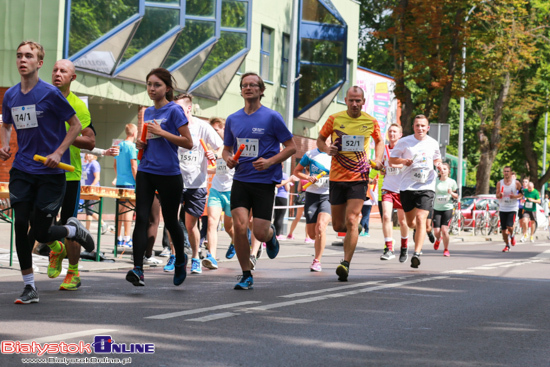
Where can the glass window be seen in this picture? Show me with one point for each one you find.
(195, 33)
(230, 43)
(347, 84)
(234, 14)
(314, 11)
(284, 61)
(315, 81)
(155, 23)
(201, 8)
(169, 2)
(92, 19)
(265, 54)
(324, 52)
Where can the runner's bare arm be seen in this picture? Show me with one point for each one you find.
(499, 194)
(301, 175)
(227, 155)
(75, 127)
(184, 140)
(331, 150)
(5, 134)
(378, 154)
(86, 141)
(289, 149)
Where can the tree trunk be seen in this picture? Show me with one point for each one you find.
(489, 136)
(407, 108)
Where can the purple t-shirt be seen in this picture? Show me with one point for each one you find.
(262, 132)
(91, 168)
(39, 119)
(161, 156)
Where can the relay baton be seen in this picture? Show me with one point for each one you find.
(66, 167)
(239, 151)
(317, 177)
(143, 139)
(211, 161)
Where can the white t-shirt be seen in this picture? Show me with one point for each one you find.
(392, 179)
(193, 163)
(506, 204)
(223, 179)
(420, 175)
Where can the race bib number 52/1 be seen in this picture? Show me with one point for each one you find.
(24, 117)
(251, 147)
(353, 143)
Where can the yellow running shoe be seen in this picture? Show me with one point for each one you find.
(71, 282)
(56, 259)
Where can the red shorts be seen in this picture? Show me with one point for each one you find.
(392, 197)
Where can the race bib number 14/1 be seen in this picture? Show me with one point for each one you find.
(24, 117)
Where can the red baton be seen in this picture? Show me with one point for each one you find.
(143, 139)
(238, 154)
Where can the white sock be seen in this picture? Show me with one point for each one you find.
(120, 238)
(29, 279)
(388, 239)
(127, 238)
(72, 231)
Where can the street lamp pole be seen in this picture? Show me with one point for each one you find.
(461, 121)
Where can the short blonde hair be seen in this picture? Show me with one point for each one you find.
(130, 129)
(34, 45)
(217, 120)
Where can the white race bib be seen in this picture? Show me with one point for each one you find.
(507, 200)
(392, 171)
(190, 158)
(353, 143)
(420, 175)
(442, 199)
(24, 117)
(251, 147)
(529, 204)
(221, 167)
(322, 182)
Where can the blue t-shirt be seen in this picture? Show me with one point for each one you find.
(124, 174)
(263, 131)
(317, 162)
(89, 170)
(39, 119)
(281, 191)
(161, 156)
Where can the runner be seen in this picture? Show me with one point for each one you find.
(391, 200)
(508, 193)
(317, 205)
(528, 221)
(194, 167)
(159, 171)
(445, 189)
(419, 153)
(524, 184)
(257, 171)
(349, 131)
(39, 111)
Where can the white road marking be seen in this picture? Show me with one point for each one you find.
(293, 295)
(215, 316)
(458, 271)
(199, 310)
(64, 337)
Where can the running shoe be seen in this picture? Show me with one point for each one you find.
(431, 236)
(364, 234)
(135, 276)
(120, 243)
(151, 260)
(56, 259)
(82, 235)
(415, 261)
(309, 240)
(532, 238)
(272, 246)
(523, 239)
(180, 272)
(245, 283)
(128, 243)
(165, 252)
(446, 253)
(315, 265)
(343, 271)
(506, 249)
(170, 264)
(71, 282)
(290, 237)
(230, 251)
(260, 250)
(387, 255)
(513, 240)
(29, 295)
(436, 245)
(209, 262)
(404, 254)
(196, 267)
(252, 262)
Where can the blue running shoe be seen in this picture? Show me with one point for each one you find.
(245, 283)
(230, 252)
(135, 276)
(272, 247)
(196, 267)
(170, 264)
(209, 262)
(180, 272)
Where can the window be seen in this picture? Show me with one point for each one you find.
(347, 84)
(284, 61)
(265, 54)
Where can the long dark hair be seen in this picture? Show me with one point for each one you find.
(167, 78)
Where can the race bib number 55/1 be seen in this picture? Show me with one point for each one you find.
(24, 117)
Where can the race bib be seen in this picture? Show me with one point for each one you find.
(322, 182)
(442, 199)
(24, 117)
(251, 147)
(221, 167)
(420, 175)
(190, 158)
(353, 143)
(392, 171)
(507, 200)
(151, 135)
(529, 204)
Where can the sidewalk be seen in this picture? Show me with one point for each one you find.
(289, 248)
